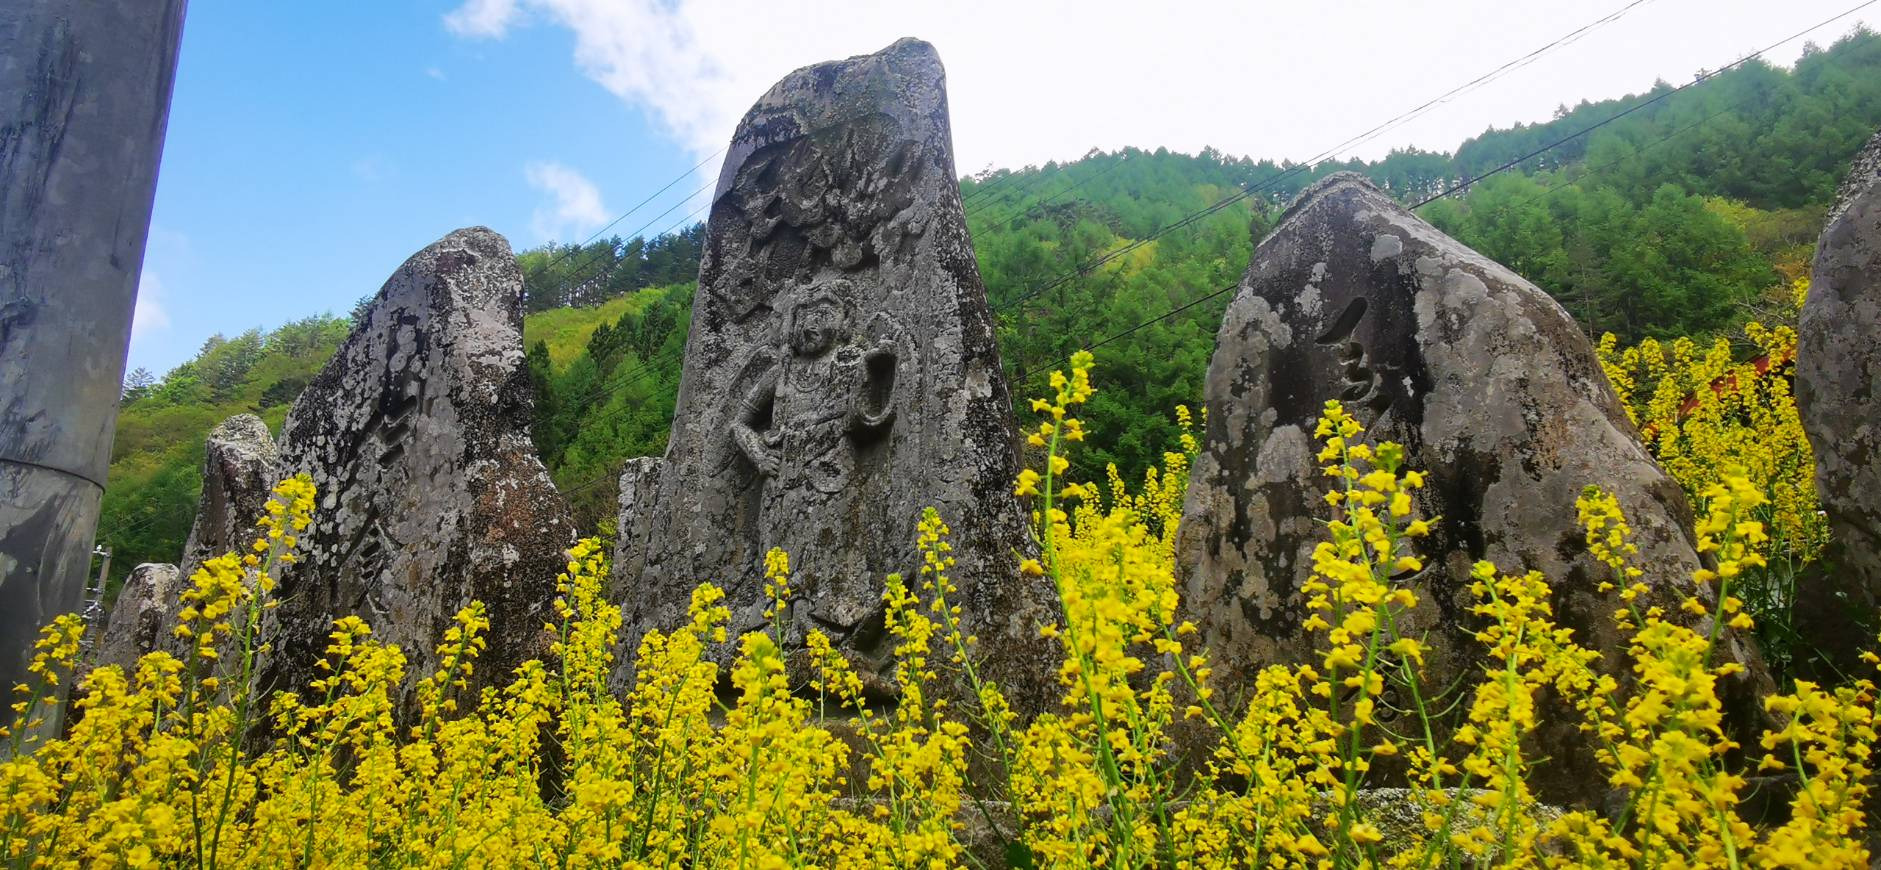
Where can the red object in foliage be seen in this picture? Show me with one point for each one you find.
(1763, 364)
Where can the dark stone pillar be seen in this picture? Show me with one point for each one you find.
(84, 98)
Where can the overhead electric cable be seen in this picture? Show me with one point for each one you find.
(1075, 184)
(596, 257)
(1247, 190)
(1465, 183)
(1027, 372)
(1250, 189)
(1023, 188)
(979, 193)
(624, 215)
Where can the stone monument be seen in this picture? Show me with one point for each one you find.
(430, 492)
(840, 376)
(1496, 396)
(1838, 366)
(240, 469)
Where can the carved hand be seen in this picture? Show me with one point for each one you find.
(759, 448)
(766, 461)
(875, 418)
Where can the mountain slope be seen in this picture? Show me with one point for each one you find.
(1673, 219)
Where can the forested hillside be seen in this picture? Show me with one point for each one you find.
(1673, 219)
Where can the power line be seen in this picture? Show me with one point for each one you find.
(1485, 78)
(1244, 193)
(1024, 187)
(688, 220)
(595, 258)
(1075, 184)
(1464, 184)
(603, 389)
(1026, 374)
(1307, 166)
(985, 188)
(566, 252)
(1248, 191)
(1565, 180)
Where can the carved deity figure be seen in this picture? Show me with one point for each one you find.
(826, 392)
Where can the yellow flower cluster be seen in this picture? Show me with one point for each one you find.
(1706, 416)
(1666, 748)
(152, 766)
(790, 758)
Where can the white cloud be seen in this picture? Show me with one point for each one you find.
(435, 73)
(646, 52)
(481, 17)
(574, 204)
(149, 316)
(1051, 79)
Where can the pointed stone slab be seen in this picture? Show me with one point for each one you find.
(1494, 393)
(840, 376)
(1838, 368)
(430, 492)
(239, 471)
(240, 468)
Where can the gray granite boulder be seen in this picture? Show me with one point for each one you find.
(142, 617)
(840, 376)
(430, 492)
(1838, 370)
(1493, 391)
(240, 468)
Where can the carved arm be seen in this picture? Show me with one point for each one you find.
(759, 446)
(875, 407)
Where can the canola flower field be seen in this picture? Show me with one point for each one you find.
(181, 763)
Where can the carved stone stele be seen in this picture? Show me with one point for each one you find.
(430, 492)
(840, 376)
(1838, 370)
(1494, 393)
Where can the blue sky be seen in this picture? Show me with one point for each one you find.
(313, 146)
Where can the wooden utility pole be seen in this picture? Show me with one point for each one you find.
(84, 99)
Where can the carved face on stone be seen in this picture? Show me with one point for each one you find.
(816, 326)
(820, 321)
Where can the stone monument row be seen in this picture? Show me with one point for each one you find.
(841, 377)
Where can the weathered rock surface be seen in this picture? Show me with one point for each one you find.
(240, 465)
(142, 617)
(840, 376)
(430, 493)
(1838, 370)
(1494, 393)
(240, 468)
